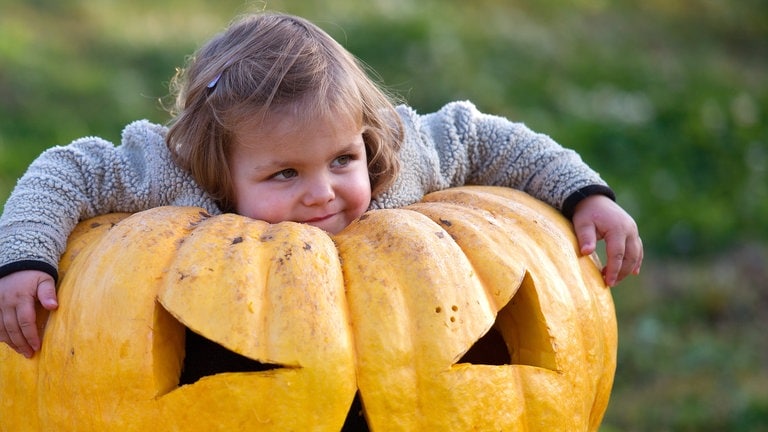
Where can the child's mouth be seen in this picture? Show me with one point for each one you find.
(319, 218)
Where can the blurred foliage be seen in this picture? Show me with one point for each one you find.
(693, 355)
(668, 100)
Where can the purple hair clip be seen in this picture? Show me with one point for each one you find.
(214, 81)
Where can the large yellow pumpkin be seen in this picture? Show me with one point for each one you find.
(471, 310)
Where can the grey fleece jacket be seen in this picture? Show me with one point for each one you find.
(454, 146)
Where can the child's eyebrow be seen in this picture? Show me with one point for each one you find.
(268, 163)
(263, 165)
(352, 147)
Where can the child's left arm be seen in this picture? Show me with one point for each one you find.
(598, 217)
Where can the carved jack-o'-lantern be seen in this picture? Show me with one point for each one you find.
(469, 311)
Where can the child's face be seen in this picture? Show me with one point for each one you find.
(316, 175)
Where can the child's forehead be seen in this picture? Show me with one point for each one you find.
(297, 124)
(293, 119)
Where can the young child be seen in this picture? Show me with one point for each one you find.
(276, 121)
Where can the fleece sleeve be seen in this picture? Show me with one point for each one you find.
(458, 145)
(89, 177)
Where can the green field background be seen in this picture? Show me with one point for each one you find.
(668, 100)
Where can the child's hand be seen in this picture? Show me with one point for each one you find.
(597, 217)
(18, 293)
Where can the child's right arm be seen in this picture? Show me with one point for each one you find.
(65, 185)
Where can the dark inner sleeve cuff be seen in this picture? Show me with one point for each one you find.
(29, 265)
(570, 203)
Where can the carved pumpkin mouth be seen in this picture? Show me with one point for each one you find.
(502, 345)
(204, 357)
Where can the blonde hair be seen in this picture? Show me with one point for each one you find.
(267, 62)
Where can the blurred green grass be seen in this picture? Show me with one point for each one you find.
(668, 100)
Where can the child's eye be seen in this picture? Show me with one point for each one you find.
(342, 161)
(285, 174)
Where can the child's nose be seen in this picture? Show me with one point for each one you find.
(319, 191)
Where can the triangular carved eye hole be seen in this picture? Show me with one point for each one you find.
(204, 357)
(518, 336)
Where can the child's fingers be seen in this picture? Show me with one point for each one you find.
(586, 235)
(634, 256)
(4, 338)
(19, 294)
(615, 249)
(625, 257)
(13, 333)
(28, 325)
(46, 293)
